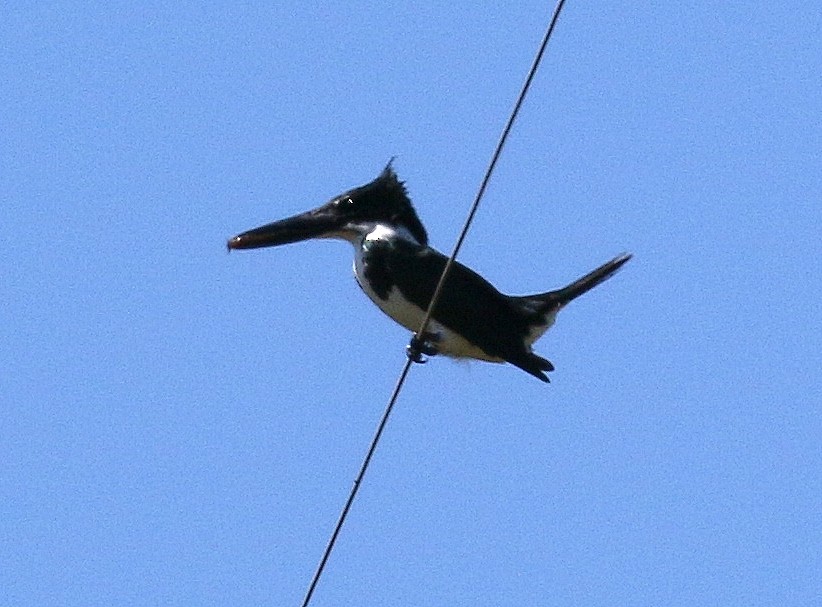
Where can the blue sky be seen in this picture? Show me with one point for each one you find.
(180, 426)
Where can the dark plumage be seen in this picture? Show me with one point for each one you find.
(399, 271)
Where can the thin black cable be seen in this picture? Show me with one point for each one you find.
(501, 144)
(357, 482)
(435, 297)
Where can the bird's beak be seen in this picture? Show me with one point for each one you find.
(312, 224)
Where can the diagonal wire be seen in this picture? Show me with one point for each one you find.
(497, 152)
(357, 482)
(431, 306)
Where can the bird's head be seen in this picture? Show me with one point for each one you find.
(348, 216)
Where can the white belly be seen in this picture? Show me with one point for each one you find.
(410, 316)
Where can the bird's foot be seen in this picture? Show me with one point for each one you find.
(419, 347)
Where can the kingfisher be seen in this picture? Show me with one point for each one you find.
(399, 271)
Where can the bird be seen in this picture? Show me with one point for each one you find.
(398, 270)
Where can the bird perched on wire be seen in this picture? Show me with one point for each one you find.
(399, 272)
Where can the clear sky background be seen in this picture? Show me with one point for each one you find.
(181, 426)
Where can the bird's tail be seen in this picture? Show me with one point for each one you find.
(561, 297)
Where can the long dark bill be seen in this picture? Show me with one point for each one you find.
(312, 224)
